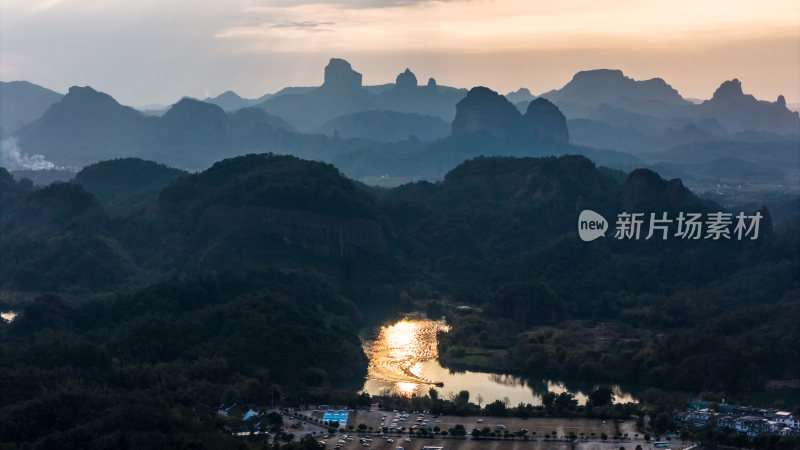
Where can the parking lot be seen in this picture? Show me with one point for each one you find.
(588, 431)
(540, 426)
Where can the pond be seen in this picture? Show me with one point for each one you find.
(403, 359)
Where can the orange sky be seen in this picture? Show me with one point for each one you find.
(153, 51)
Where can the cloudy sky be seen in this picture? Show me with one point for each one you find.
(156, 51)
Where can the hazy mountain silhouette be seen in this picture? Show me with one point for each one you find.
(87, 126)
(379, 131)
(22, 102)
(738, 111)
(432, 100)
(484, 110)
(231, 101)
(521, 95)
(652, 106)
(544, 121)
(84, 127)
(595, 87)
(386, 126)
(342, 93)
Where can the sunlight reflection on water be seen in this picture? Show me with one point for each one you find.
(404, 360)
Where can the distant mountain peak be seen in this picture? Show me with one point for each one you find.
(600, 75)
(520, 95)
(229, 94)
(739, 111)
(78, 90)
(729, 90)
(340, 75)
(22, 102)
(546, 121)
(87, 94)
(594, 87)
(87, 102)
(187, 104)
(406, 80)
(484, 110)
(431, 82)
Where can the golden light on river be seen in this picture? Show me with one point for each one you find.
(399, 350)
(404, 361)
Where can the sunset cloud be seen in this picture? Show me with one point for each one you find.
(259, 46)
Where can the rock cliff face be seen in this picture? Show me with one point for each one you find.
(645, 189)
(594, 87)
(738, 111)
(484, 110)
(543, 120)
(340, 75)
(406, 80)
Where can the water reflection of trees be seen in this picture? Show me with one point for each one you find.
(399, 346)
(507, 380)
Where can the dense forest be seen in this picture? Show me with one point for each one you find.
(247, 282)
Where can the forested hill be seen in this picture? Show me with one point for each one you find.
(147, 369)
(248, 280)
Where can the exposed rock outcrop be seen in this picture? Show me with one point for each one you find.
(484, 110)
(543, 120)
(406, 80)
(644, 190)
(738, 111)
(340, 75)
(593, 87)
(520, 95)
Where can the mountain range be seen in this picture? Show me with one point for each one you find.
(21, 103)
(407, 130)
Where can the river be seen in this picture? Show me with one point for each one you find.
(403, 359)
